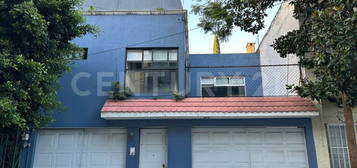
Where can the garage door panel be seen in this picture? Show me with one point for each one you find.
(295, 137)
(297, 157)
(273, 137)
(221, 155)
(240, 138)
(241, 156)
(66, 140)
(116, 139)
(116, 159)
(202, 155)
(274, 156)
(215, 165)
(220, 138)
(256, 156)
(200, 138)
(46, 140)
(72, 148)
(249, 147)
(99, 139)
(254, 137)
(44, 160)
(64, 159)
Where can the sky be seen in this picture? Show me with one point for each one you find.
(203, 43)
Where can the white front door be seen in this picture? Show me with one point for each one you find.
(80, 148)
(153, 148)
(249, 148)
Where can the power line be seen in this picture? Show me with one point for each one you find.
(142, 42)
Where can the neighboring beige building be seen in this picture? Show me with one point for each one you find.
(329, 135)
(328, 129)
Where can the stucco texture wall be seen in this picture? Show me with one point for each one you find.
(330, 114)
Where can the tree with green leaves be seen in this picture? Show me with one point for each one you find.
(35, 44)
(325, 43)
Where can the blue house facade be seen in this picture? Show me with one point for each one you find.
(90, 79)
(223, 122)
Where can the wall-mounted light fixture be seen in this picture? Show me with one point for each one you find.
(25, 137)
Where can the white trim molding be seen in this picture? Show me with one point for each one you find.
(205, 115)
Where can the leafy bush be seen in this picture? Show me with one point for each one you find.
(118, 93)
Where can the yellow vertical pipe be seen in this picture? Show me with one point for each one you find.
(216, 47)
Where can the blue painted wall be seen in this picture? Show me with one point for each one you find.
(209, 65)
(179, 147)
(106, 61)
(133, 141)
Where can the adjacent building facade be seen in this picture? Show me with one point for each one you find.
(328, 127)
(226, 119)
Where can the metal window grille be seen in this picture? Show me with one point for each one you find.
(10, 148)
(338, 147)
(262, 80)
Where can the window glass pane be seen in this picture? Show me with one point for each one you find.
(149, 73)
(221, 81)
(207, 80)
(160, 55)
(134, 55)
(207, 91)
(236, 91)
(152, 83)
(147, 56)
(222, 91)
(173, 55)
(172, 64)
(134, 65)
(236, 80)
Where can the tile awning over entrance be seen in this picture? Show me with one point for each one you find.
(223, 107)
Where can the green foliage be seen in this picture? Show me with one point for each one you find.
(220, 17)
(91, 8)
(160, 9)
(177, 96)
(34, 42)
(118, 93)
(325, 42)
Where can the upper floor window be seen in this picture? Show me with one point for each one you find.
(223, 86)
(151, 71)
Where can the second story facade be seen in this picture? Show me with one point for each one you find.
(145, 50)
(225, 75)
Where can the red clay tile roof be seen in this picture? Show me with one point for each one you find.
(222, 104)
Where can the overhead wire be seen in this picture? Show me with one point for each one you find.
(142, 42)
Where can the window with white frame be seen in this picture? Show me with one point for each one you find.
(338, 147)
(151, 72)
(223, 86)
